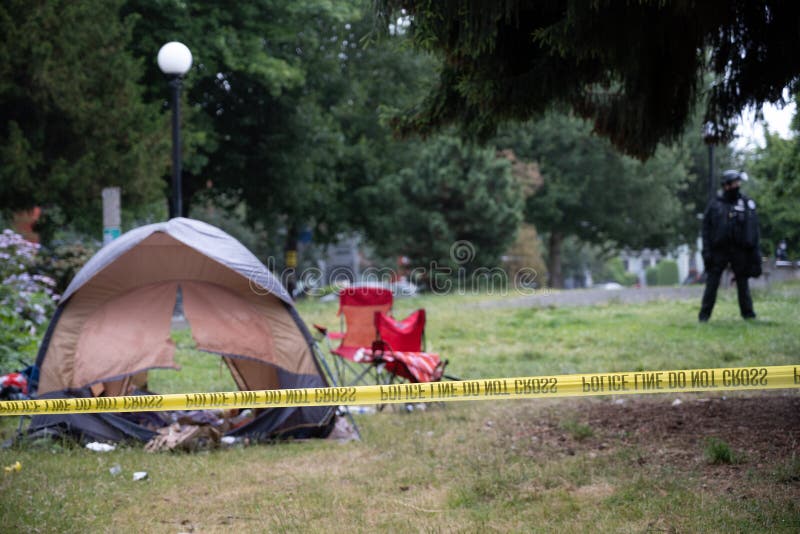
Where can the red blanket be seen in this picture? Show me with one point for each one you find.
(415, 366)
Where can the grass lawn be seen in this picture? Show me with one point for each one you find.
(483, 342)
(709, 462)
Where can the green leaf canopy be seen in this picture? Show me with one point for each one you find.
(635, 69)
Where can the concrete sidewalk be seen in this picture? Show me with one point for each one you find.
(589, 297)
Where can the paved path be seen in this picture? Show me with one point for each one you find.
(590, 297)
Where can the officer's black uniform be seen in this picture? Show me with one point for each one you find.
(730, 236)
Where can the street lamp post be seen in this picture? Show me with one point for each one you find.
(175, 60)
(710, 140)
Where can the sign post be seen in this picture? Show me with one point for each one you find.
(111, 216)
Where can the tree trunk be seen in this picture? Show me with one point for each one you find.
(555, 278)
(289, 277)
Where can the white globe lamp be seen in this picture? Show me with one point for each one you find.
(174, 59)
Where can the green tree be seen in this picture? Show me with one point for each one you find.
(457, 207)
(281, 111)
(72, 112)
(380, 76)
(592, 192)
(258, 122)
(694, 195)
(776, 188)
(635, 69)
(283, 107)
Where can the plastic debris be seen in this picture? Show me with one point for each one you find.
(242, 417)
(115, 469)
(343, 431)
(100, 447)
(677, 402)
(15, 467)
(184, 437)
(362, 409)
(139, 475)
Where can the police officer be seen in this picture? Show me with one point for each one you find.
(730, 236)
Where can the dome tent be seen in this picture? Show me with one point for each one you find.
(113, 325)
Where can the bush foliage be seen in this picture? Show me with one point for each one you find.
(663, 274)
(614, 271)
(27, 300)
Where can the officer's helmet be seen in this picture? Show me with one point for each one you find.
(733, 175)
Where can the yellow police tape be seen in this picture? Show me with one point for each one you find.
(578, 385)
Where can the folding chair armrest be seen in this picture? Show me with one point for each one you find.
(321, 329)
(326, 333)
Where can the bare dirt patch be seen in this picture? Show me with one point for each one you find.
(763, 431)
(764, 428)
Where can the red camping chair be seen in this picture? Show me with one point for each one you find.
(391, 349)
(400, 348)
(357, 308)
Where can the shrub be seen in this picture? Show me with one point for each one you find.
(27, 300)
(663, 274)
(615, 271)
(667, 273)
(651, 276)
(62, 260)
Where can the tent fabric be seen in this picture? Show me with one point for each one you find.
(223, 322)
(111, 427)
(160, 258)
(253, 375)
(290, 422)
(86, 427)
(198, 235)
(274, 424)
(113, 322)
(115, 329)
(248, 325)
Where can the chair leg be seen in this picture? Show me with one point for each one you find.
(323, 361)
(360, 377)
